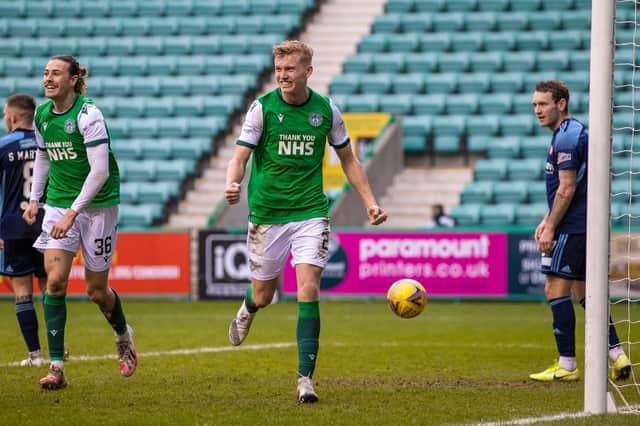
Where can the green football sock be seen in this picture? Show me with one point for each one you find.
(116, 317)
(55, 317)
(308, 333)
(248, 300)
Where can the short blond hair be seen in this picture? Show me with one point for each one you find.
(289, 47)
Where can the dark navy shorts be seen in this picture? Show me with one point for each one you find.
(567, 257)
(20, 258)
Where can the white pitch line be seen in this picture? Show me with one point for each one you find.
(214, 349)
(534, 420)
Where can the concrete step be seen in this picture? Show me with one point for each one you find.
(195, 209)
(420, 200)
(187, 221)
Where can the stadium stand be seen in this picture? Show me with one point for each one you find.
(471, 67)
(168, 75)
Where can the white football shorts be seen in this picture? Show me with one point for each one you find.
(269, 246)
(95, 229)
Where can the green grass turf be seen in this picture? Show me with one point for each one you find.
(457, 363)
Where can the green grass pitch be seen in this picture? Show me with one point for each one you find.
(456, 363)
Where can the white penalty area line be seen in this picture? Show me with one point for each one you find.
(176, 352)
(534, 420)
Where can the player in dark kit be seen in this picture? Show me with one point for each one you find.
(18, 259)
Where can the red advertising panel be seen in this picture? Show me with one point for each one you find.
(144, 263)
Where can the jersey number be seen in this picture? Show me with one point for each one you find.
(103, 246)
(27, 174)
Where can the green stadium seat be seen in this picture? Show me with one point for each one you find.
(204, 127)
(518, 125)
(126, 149)
(552, 61)
(134, 66)
(153, 150)
(234, 7)
(527, 169)
(80, 27)
(505, 147)
(14, 9)
(234, 45)
(408, 84)
(191, 65)
(191, 106)
(441, 83)
(530, 214)
(191, 149)
(153, 8)
(534, 147)
(174, 170)
(263, 43)
(467, 42)
(119, 46)
(493, 5)
(63, 46)
(108, 106)
(415, 22)
(435, 42)
(107, 27)
(422, 63)
(473, 83)
(477, 192)
(95, 9)
(159, 107)
(389, 23)
(403, 42)
(578, 81)
(52, 28)
(477, 144)
(208, 85)
(38, 10)
(157, 192)
(116, 86)
(221, 25)
(461, 5)
(399, 6)
(465, 104)
(537, 191)
(29, 85)
(390, 62)
(579, 60)
(205, 8)
(519, 61)
(144, 127)
(430, 6)
(483, 21)
(130, 107)
(179, 8)
(466, 214)
(345, 84)
(416, 125)
(92, 46)
(532, 40)
(7, 87)
(567, 40)
(263, 7)
(219, 65)
(453, 62)
(525, 5)
(396, 104)
(356, 64)
(414, 144)
(340, 100)
(522, 103)
(491, 169)
(560, 5)
(497, 214)
(205, 45)
(236, 84)
(483, 125)
(511, 82)
(363, 103)
(162, 65)
(429, 104)
(249, 25)
(497, 103)
(516, 21)
(447, 144)
(118, 128)
(148, 86)
(449, 125)
(285, 24)
(294, 6)
(137, 171)
(27, 47)
(20, 67)
(179, 45)
(577, 20)
(499, 42)
(128, 192)
(447, 22)
(139, 215)
(375, 83)
(176, 86)
(252, 64)
(140, 26)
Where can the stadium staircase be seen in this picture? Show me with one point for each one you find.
(334, 32)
